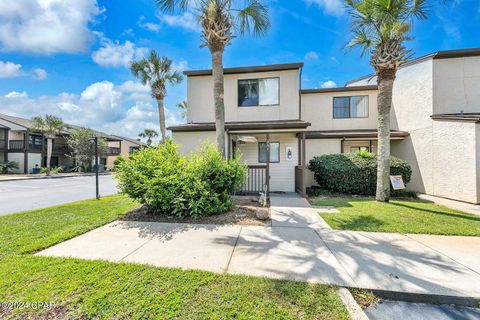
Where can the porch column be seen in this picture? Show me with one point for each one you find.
(304, 165)
(267, 173)
(25, 152)
(229, 145)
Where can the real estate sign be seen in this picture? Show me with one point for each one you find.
(397, 182)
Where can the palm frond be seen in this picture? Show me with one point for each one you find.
(171, 5)
(253, 19)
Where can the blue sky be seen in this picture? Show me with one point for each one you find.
(71, 58)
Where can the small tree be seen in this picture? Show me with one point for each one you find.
(6, 166)
(50, 126)
(83, 150)
(149, 134)
(157, 72)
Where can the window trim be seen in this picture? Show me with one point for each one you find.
(279, 147)
(259, 105)
(350, 107)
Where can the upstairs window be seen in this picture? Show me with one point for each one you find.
(350, 107)
(259, 92)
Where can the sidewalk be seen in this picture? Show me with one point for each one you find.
(298, 246)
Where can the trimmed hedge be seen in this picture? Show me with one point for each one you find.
(353, 173)
(172, 184)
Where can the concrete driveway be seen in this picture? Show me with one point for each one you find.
(21, 195)
(298, 246)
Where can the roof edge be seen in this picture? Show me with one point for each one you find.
(460, 117)
(340, 89)
(247, 69)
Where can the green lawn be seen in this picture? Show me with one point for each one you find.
(104, 290)
(398, 216)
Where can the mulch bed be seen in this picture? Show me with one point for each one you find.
(245, 213)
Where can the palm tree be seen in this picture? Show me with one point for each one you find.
(184, 107)
(50, 126)
(220, 20)
(157, 72)
(380, 28)
(149, 134)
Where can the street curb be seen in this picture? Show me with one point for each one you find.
(427, 298)
(354, 310)
(54, 177)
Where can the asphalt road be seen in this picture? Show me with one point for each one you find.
(21, 195)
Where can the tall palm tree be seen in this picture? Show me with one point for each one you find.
(380, 28)
(157, 72)
(149, 134)
(50, 126)
(220, 21)
(184, 107)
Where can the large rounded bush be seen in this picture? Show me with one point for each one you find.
(353, 173)
(173, 184)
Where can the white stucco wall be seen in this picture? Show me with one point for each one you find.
(18, 158)
(317, 108)
(282, 174)
(455, 160)
(456, 85)
(201, 107)
(33, 159)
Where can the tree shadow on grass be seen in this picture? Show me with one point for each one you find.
(449, 214)
(359, 223)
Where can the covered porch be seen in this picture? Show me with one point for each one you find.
(276, 159)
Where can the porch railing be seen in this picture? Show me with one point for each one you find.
(113, 151)
(255, 180)
(17, 145)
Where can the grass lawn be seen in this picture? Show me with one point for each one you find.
(400, 216)
(83, 289)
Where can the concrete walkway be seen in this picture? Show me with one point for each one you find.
(298, 246)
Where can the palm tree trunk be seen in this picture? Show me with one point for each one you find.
(161, 112)
(49, 154)
(384, 101)
(218, 98)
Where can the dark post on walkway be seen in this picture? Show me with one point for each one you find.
(95, 139)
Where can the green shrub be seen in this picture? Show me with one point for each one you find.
(118, 162)
(365, 154)
(353, 173)
(6, 166)
(172, 184)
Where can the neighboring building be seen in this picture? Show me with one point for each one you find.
(123, 146)
(19, 143)
(266, 108)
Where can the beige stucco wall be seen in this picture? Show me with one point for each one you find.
(15, 135)
(124, 146)
(200, 98)
(317, 108)
(191, 141)
(456, 85)
(282, 174)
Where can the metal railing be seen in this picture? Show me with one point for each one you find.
(113, 151)
(17, 145)
(255, 180)
(59, 148)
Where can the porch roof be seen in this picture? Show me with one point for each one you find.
(243, 125)
(359, 133)
(462, 117)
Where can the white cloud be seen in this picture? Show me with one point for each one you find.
(102, 106)
(39, 74)
(333, 59)
(332, 7)
(180, 66)
(186, 21)
(15, 94)
(311, 55)
(328, 84)
(47, 26)
(155, 27)
(115, 54)
(9, 69)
